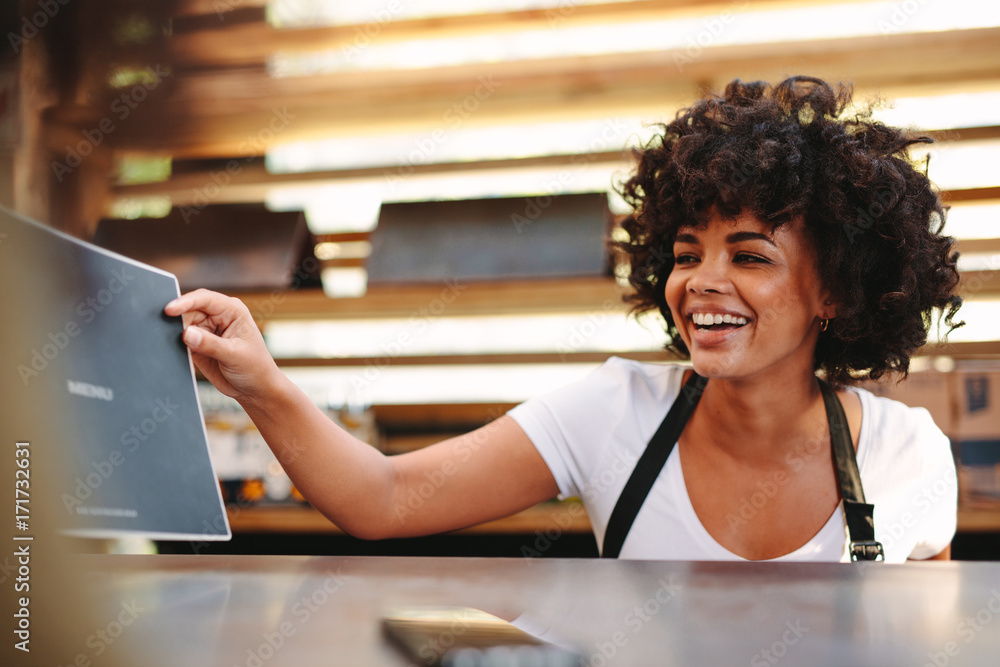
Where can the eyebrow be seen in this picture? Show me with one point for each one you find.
(735, 237)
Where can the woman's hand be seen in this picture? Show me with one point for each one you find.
(225, 343)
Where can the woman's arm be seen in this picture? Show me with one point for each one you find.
(486, 474)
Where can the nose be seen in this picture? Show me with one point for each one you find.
(710, 276)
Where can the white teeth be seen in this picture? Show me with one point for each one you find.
(708, 319)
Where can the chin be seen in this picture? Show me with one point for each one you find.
(718, 364)
(710, 368)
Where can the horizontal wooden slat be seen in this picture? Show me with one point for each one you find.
(971, 195)
(965, 133)
(251, 184)
(228, 113)
(344, 262)
(989, 349)
(254, 43)
(979, 284)
(969, 246)
(343, 237)
(437, 417)
(215, 7)
(499, 358)
(450, 298)
(979, 517)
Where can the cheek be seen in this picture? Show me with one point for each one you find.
(673, 290)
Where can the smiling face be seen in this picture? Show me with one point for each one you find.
(746, 300)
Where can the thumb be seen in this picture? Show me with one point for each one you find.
(205, 342)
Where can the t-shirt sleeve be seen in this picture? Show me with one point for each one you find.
(543, 429)
(569, 425)
(937, 492)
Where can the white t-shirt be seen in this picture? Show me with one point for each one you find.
(591, 434)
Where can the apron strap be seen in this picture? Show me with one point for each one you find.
(649, 465)
(859, 514)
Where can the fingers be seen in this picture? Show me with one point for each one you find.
(206, 301)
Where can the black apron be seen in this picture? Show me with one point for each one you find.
(859, 515)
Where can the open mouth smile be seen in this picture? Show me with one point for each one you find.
(717, 321)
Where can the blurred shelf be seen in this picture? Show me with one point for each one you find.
(960, 350)
(565, 517)
(437, 418)
(979, 517)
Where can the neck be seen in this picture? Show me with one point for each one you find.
(763, 417)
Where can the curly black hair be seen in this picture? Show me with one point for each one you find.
(790, 151)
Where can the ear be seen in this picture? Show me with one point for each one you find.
(829, 308)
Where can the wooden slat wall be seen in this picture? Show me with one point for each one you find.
(219, 93)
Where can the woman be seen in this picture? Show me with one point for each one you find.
(777, 239)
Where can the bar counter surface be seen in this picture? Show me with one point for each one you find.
(256, 611)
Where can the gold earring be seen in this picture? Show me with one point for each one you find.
(823, 324)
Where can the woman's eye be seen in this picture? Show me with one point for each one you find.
(685, 259)
(751, 259)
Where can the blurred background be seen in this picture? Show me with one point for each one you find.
(413, 198)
